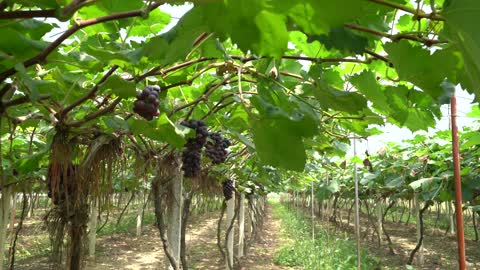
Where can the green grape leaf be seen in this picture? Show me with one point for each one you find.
(277, 145)
(161, 129)
(115, 57)
(30, 163)
(115, 123)
(273, 38)
(367, 84)
(318, 16)
(427, 71)
(461, 20)
(155, 22)
(331, 98)
(119, 86)
(343, 40)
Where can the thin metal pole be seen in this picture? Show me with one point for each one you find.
(357, 211)
(458, 186)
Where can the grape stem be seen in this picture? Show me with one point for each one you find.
(217, 107)
(203, 97)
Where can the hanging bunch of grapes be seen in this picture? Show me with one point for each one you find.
(216, 148)
(147, 102)
(192, 154)
(228, 189)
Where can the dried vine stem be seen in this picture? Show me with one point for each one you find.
(390, 244)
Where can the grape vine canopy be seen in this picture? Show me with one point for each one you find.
(289, 82)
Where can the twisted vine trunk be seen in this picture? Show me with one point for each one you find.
(76, 246)
(420, 240)
(475, 225)
(333, 217)
(390, 244)
(375, 230)
(17, 231)
(125, 209)
(158, 194)
(401, 213)
(350, 213)
(253, 221)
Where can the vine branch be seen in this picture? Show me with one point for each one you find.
(96, 114)
(395, 37)
(27, 14)
(81, 24)
(90, 94)
(60, 13)
(418, 14)
(203, 97)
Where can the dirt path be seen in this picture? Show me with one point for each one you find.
(260, 256)
(126, 251)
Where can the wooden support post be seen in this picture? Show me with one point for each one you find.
(139, 214)
(357, 211)
(92, 228)
(457, 186)
(230, 214)
(312, 204)
(174, 217)
(241, 226)
(379, 220)
(451, 217)
(5, 205)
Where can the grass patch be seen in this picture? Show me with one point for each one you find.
(128, 223)
(325, 252)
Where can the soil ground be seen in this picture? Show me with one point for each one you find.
(440, 250)
(126, 251)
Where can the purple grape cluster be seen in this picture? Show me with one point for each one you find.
(147, 102)
(192, 154)
(216, 147)
(228, 189)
